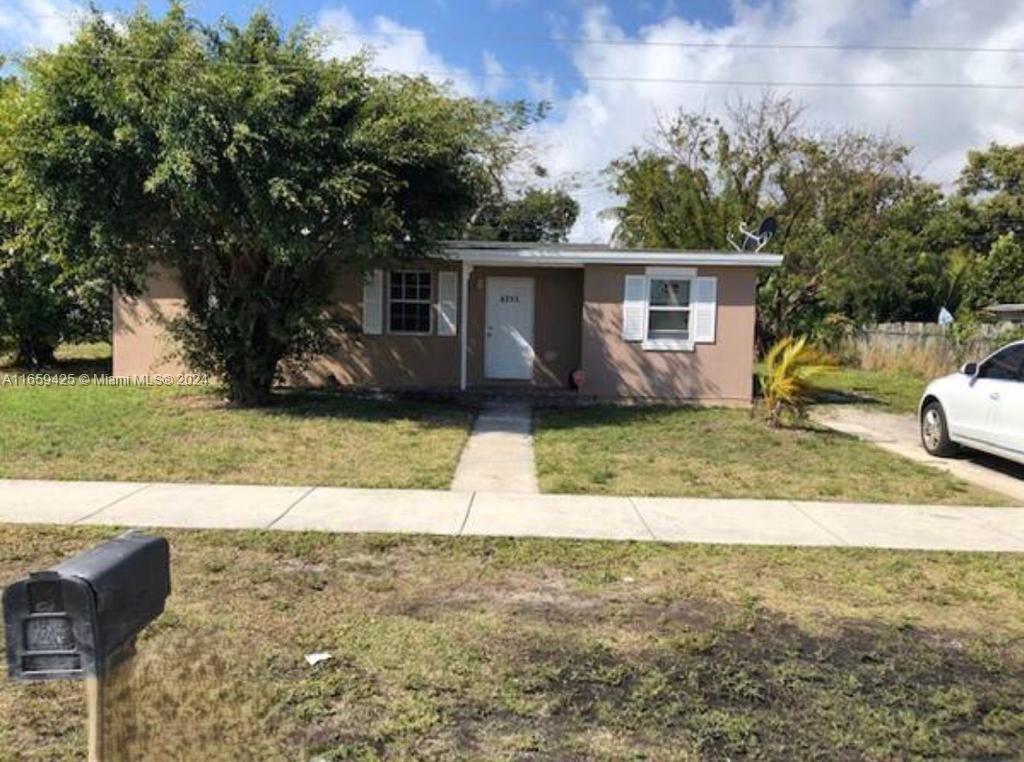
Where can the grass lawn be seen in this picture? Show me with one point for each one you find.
(486, 649)
(714, 452)
(187, 434)
(889, 390)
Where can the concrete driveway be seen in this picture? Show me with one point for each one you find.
(899, 434)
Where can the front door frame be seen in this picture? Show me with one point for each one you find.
(490, 282)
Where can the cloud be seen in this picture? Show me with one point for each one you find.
(394, 47)
(601, 120)
(38, 23)
(494, 74)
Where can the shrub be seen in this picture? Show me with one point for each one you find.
(787, 381)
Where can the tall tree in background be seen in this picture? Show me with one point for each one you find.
(243, 159)
(536, 214)
(853, 220)
(990, 206)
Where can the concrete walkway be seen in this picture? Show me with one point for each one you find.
(899, 434)
(499, 454)
(755, 522)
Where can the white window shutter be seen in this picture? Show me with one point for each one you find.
(447, 302)
(705, 309)
(373, 302)
(634, 308)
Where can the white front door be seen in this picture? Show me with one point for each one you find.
(508, 346)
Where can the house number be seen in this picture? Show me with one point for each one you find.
(509, 299)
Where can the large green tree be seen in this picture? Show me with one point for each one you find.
(44, 298)
(990, 208)
(250, 164)
(536, 214)
(854, 222)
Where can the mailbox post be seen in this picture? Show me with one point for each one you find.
(79, 620)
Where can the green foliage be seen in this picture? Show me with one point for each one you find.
(246, 161)
(997, 277)
(990, 212)
(44, 299)
(534, 215)
(856, 226)
(42, 305)
(790, 369)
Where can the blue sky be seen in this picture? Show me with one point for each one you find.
(512, 32)
(598, 117)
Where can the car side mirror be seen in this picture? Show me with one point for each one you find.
(969, 369)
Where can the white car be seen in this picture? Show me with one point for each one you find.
(981, 407)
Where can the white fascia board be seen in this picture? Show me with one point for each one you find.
(569, 258)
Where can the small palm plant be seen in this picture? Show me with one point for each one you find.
(787, 380)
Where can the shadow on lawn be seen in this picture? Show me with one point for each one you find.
(76, 366)
(616, 415)
(704, 420)
(311, 404)
(827, 396)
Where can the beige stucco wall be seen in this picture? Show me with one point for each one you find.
(385, 361)
(558, 301)
(142, 346)
(720, 373)
(578, 315)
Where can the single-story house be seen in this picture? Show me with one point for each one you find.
(614, 323)
(1010, 313)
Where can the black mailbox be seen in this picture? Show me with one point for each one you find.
(68, 622)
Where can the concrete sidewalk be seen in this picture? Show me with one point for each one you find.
(754, 522)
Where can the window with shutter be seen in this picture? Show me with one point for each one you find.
(669, 309)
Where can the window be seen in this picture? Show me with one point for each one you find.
(668, 309)
(410, 301)
(1005, 365)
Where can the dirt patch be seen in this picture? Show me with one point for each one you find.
(500, 649)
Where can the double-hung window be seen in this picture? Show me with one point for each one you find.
(410, 301)
(669, 309)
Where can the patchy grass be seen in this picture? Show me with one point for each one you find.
(487, 648)
(713, 452)
(188, 434)
(890, 390)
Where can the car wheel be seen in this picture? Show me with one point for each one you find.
(935, 432)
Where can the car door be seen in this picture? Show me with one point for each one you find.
(1000, 381)
(1007, 397)
(967, 405)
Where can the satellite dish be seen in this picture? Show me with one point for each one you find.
(755, 241)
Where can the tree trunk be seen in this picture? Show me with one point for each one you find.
(251, 381)
(34, 354)
(246, 392)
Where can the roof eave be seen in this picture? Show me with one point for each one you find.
(553, 255)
